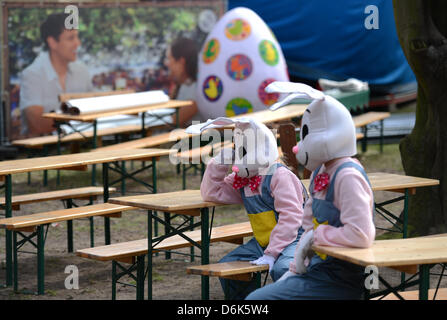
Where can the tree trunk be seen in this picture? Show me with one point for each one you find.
(421, 28)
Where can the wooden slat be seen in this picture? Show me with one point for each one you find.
(414, 295)
(285, 113)
(369, 117)
(78, 159)
(382, 181)
(197, 154)
(169, 201)
(39, 142)
(75, 193)
(226, 269)
(138, 247)
(36, 219)
(393, 253)
(89, 117)
(148, 142)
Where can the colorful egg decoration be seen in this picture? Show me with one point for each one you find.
(238, 59)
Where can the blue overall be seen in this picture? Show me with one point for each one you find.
(263, 218)
(326, 277)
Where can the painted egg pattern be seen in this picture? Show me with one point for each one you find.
(238, 59)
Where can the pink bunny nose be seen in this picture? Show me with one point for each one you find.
(295, 149)
(235, 169)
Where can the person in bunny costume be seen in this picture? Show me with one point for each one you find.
(339, 211)
(272, 195)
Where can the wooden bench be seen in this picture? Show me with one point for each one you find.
(35, 223)
(148, 142)
(42, 142)
(363, 120)
(132, 252)
(89, 193)
(414, 295)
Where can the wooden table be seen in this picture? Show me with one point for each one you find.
(92, 117)
(78, 161)
(285, 113)
(399, 254)
(186, 202)
(383, 181)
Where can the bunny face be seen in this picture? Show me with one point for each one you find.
(327, 130)
(255, 147)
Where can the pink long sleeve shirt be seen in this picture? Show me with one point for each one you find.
(286, 190)
(354, 198)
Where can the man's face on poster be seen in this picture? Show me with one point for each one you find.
(67, 45)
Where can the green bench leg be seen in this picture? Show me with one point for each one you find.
(149, 255)
(114, 280)
(365, 138)
(105, 178)
(205, 250)
(15, 264)
(40, 261)
(167, 217)
(191, 250)
(424, 281)
(140, 277)
(70, 228)
(8, 233)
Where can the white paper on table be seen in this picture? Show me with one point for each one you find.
(163, 116)
(106, 103)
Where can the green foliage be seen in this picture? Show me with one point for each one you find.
(102, 30)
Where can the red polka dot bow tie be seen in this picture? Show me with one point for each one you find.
(252, 182)
(321, 181)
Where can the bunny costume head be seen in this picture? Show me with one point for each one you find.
(255, 145)
(327, 129)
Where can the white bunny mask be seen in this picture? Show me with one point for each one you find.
(327, 129)
(254, 144)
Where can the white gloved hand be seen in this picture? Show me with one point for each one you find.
(304, 250)
(265, 259)
(286, 275)
(225, 156)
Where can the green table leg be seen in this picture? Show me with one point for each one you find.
(16, 282)
(123, 182)
(424, 281)
(405, 225)
(183, 176)
(70, 229)
(149, 255)
(167, 217)
(58, 177)
(40, 260)
(205, 251)
(45, 172)
(8, 233)
(105, 178)
(140, 277)
(113, 280)
(94, 147)
(143, 133)
(154, 175)
(365, 138)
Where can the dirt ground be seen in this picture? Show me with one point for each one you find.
(170, 279)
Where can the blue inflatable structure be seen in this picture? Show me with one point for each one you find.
(338, 40)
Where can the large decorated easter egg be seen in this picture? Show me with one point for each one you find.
(239, 58)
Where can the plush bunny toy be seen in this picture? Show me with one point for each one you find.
(271, 194)
(339, 211)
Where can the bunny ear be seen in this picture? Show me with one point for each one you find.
(211, 123)
(296, 90)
